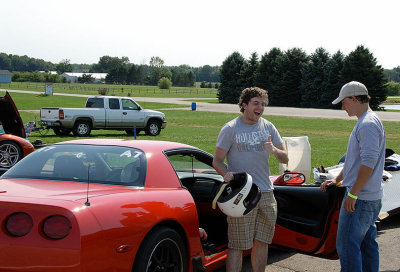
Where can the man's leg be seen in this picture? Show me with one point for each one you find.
(234, 260)
(352, 229)
(369, 246)
(259, 256)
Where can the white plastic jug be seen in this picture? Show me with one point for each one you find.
(299, 152)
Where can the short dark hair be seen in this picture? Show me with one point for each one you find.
(248, 93)
(363, 98)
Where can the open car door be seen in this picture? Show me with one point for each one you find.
(307, 219)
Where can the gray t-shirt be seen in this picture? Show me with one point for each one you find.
(367, 147)
(244, 145)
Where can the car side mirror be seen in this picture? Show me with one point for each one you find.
(290, 178)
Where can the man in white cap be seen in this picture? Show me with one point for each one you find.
(362, 176)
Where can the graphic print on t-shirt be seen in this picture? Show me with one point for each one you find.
(251, 141)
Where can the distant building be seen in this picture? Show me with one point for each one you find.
(5, 76)
(73, 77)
(50, 72)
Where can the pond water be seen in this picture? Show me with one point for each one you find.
(392, 107)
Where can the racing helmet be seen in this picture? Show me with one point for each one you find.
(238, 197)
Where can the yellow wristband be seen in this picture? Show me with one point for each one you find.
(352, 196)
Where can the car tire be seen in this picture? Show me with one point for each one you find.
(10, 154)
(61, 131)
(82, 128)
(163, 248)
(153, 128)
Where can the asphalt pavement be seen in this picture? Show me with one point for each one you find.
(284, 261)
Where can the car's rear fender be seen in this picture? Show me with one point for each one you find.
(127, 219)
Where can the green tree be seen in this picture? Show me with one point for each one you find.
(360, 65)
(86, 78)
(313, 78)
(142, 74)
(207, 73)
(117, 75)
(107, 63)
(5, 62)
(391, 75)
(164, 83)
(231, 83)
(393, 88)
(182, 76)
(63, 66)
(267, 73)
(249, 71)
(156, 68)
(287, 89)
(19, 63)
(332, 83)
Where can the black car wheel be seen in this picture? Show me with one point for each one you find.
(153, 128)
(82, 128)
(162, 250)
(10, 154)
(61, 131)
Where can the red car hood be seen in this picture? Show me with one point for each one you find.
(61, 190)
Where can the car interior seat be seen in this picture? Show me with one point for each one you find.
(131, 173)
(69, 166)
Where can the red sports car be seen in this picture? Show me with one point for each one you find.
(127, 205)
(13, 145)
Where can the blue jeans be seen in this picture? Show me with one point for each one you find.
(356, 238)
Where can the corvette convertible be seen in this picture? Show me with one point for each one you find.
(127, 205)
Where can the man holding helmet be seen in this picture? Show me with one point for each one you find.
(246, 143)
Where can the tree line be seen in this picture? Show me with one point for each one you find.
(120, 70)
(295, 79)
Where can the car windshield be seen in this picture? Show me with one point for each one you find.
(114, 165)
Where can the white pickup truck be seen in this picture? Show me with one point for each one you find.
(103, 112)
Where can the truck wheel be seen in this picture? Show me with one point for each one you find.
(82, 128)
(61, 131)
(153, 128)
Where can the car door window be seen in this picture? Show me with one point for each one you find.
(113, 103)
(95, 103)
(128, 104)
(198, 177)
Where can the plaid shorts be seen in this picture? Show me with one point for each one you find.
(258, 224)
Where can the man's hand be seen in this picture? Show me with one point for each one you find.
(203, 234)
(228, 177)
(269, 146)
(328, 182)
(349, 204)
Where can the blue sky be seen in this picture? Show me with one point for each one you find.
(195, 32)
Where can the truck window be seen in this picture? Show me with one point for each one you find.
(95, 103)
(113, 103)
(128, 104)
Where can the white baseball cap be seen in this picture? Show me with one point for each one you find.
(353, 88)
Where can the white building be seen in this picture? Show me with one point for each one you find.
(73, 77)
